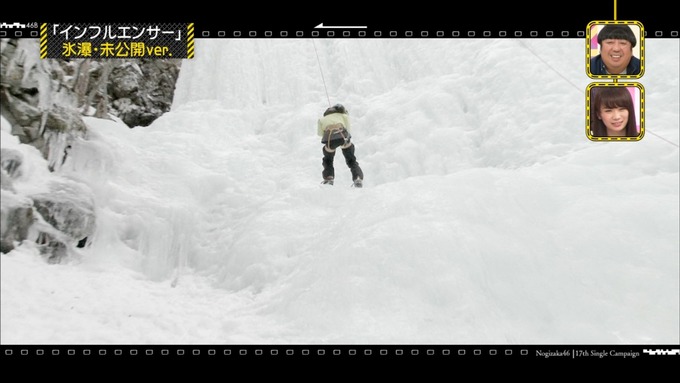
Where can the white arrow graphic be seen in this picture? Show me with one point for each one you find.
(339, 27)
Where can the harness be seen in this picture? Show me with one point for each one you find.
(333, 129)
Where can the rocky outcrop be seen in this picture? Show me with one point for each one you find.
(43, 102)
(68, 209)
(56, 217)
(142, 91)
(16, 218)
(16, 213)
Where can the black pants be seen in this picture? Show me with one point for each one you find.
(350, 159)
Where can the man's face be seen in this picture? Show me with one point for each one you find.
(616, 54)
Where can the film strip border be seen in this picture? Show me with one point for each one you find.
(330, 352)
(351, 32)
(321, 31)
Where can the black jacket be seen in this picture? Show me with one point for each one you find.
(597, 66)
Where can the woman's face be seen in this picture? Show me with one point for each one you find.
(615, 120)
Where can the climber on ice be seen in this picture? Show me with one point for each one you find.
(334, 130)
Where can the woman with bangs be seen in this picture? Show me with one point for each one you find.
(612, 113)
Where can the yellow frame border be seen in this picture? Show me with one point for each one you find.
(642, 111)
(642, 49)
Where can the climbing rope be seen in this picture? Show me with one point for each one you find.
(337, 128)
(322, 77)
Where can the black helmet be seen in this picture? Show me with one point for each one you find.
(337, 108)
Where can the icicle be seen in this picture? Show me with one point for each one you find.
(58, 145)
(43, 122)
